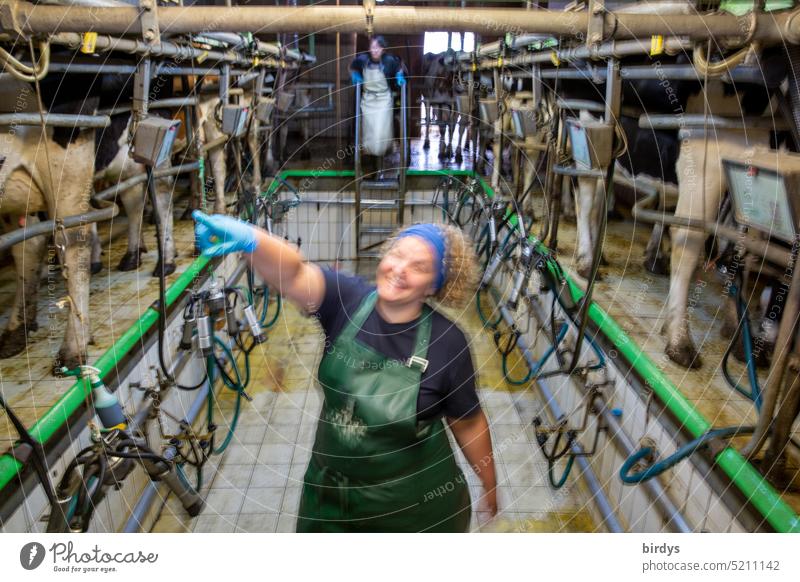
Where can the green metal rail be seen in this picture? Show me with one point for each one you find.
(748, 480)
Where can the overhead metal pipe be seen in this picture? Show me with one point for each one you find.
(55, 120)
(741, 74)
(712, 122)
(604, 50)
(164, 49)
(27, 18)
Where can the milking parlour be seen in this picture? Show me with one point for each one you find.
(392, 266)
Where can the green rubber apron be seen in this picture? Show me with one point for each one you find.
(374, 467)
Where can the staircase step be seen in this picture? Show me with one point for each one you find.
(377, 229)
(376, 203)
(380, 184)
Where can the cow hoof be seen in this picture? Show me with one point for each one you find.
(426, 145)
(684, 354)
(459, 157)
(657, 265)
(130, 261)
(466, 148)
(584, 269)
(66, 360)
(449, 152)
(761, 352)
(169, 268)
(96, 267)
(14, 341)
(187, 213)
(728, 329)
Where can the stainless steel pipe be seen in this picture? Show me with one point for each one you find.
(55, 120)
(24, 16)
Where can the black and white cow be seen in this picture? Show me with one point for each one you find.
(48, 171)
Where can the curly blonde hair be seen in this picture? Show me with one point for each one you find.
(462, 266)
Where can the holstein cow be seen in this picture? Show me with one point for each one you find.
(51, 172)
(701, 184)
(699, 176)
(439, 100)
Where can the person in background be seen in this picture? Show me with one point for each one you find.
(379, 73)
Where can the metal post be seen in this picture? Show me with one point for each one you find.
(358, 169)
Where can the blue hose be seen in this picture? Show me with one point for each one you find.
(691, 447)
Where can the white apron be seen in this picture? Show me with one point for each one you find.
(376, 112)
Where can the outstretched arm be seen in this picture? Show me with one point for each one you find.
(280, 264)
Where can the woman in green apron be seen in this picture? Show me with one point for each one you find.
(379, 463)
(378, 73)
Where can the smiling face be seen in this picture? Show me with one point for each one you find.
(407, 273)
(375, 50)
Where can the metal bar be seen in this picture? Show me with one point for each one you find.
(164, 49)
(767, 28)
(607, 49)
(48, 226)
(179, 102)
(112, 191)
(358, 175)
(55, 120)
(712, 122)
(741, 74)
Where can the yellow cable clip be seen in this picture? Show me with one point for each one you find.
(499, 62)
(88, 42)
(656, 45)
(203, 56)
(554, 59)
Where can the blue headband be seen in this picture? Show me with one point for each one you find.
(435, 237)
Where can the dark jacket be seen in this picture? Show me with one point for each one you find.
(390, 64)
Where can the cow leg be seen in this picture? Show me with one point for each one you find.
(655, 260)
(133, 200)
(28, 257)
(687, 245)
(442, 118)
(76, 259)
(426, 145)
(164, 209)
(587, 215)
(451, 125)
(97, 251)
(460, 131)
(216, 158)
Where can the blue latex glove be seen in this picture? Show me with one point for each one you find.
(219, 234)
(401, 79)
(356, 77)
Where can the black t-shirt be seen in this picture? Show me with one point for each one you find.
(447, 386)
